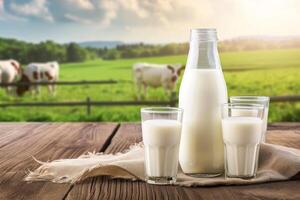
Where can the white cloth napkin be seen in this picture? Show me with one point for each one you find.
(275, 163)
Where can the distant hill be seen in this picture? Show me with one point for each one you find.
(268, 38)
(100, 44)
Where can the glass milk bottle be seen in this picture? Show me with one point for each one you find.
(202, 92)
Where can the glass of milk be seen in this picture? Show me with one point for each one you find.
(161, 127)
(242, 136)
(263, 100)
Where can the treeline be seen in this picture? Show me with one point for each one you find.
(257, 44)
(26, 52)
(145, 50)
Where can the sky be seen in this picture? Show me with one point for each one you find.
(150, 21)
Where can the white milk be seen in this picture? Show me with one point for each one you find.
(236, 112)
(241, 137)
(161, 139)
(201, 94)
(242, 112)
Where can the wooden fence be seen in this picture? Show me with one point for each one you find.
(88, 102)
(96, 82)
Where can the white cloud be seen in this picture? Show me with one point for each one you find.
(151, 20)
(82, 4)
(1, 8)
(35, 8)
(74, 18)
(147, 12)
(110, 11)
(135, 7)
(4, 16)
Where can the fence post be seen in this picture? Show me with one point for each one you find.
(173, 99)
(88, 105)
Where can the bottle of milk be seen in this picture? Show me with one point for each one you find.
(202, 91)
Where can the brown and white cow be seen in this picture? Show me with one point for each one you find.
(10, 70)
(156, 75)
(38, 72)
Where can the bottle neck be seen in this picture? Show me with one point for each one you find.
(203, 53)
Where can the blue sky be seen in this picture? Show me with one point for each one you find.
(151, 21)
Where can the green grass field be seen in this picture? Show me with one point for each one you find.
(278, 73)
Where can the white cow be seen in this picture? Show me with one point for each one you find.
(10, 69)
(39, 72)
(156, 75)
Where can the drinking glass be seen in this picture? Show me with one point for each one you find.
(241, 137)
(161, 128)
(263, 100)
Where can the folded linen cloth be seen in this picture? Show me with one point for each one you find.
(275, 163)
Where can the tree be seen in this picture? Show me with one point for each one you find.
(111, 54)
(75, 53)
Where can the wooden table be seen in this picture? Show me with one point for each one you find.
(49, 141)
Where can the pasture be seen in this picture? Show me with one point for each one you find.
(277, 72)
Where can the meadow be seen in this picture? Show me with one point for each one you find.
(277, 72)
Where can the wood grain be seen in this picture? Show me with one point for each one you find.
(104, 188)
(48, 141)
(285, 126)
(44, 141)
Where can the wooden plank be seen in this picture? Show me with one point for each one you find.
(10, 132)
(285, 126)
(45, 141)
(288, 138)
(104, 188)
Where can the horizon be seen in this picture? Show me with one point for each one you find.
(254, 37)
(162, 21)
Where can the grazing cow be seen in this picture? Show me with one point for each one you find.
(10, 69)
(38, 72)
(156, 75)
